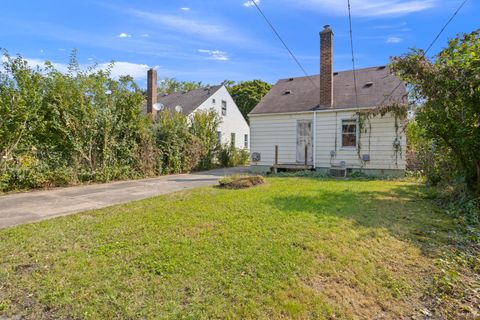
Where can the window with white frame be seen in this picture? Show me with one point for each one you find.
(224, 108)
(219, 136)
(349, 133)
(245, 141)
(213, 101)
(232, 139)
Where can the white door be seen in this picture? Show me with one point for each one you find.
(304, 139)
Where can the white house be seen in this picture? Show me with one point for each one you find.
(314, 123)
(233, 128)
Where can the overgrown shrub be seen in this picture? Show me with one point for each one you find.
(446, 94)
(62, 127)
(204, 125)
(172, 137)
(229, 156)
(59, 128)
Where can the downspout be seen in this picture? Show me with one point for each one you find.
(314, 139)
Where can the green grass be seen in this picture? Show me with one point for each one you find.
(292, 248)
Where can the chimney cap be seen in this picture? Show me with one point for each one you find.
(326, 29)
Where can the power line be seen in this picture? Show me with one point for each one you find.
(353, 55)
(283, 42)
(430, 45)
(445, 26)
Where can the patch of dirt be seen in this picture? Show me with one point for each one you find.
(240, 182)
(26, 268)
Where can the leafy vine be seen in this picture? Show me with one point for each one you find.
(399, 111)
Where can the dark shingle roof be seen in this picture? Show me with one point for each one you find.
(373, 86)
(189, 101)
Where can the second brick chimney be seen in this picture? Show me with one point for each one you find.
(326, 67)
(151, 91)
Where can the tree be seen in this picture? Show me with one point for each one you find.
(228, 83)
(20, 102)
(448, 92)
(204, 125)
(248, 94)
(58, 127)
(171, 85)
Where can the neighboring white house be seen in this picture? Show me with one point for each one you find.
(233, 127)
(318, 116)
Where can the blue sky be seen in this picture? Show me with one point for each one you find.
(209, 41)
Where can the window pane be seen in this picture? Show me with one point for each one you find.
(224, 108)
(349, 140)
(349, 133)
(349, 128)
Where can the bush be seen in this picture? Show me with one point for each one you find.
(61, 128)
(204, 125)
(459, 202)
(194, 151)
(229, 156)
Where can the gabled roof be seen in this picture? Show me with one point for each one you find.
(300, 94)
(189, 101)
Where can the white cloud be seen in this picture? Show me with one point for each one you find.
(185, 9)
(215, 54)
(393, 40)
(120, 68)
(41, 63)
(124, 35)
(368, 8)
(250, 3)
(42, 51)
(144, 35)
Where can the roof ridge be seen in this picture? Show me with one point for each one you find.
(341, 71)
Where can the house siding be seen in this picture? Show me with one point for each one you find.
(270, 130)
(233, 122)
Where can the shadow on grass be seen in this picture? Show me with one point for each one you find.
(404, 211)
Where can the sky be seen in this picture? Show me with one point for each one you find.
(210, 41)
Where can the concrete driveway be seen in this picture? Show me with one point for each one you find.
(33, 206)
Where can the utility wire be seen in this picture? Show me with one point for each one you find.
(430, 45)
(283, 42)
(353, 55)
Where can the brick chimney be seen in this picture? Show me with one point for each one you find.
(151, 91)
(326, 67)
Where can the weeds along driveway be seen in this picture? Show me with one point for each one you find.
(34, 206)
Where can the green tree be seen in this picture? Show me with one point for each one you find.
(61, 127)
(204, 125)
(20, 103)
(448, 92)
(228, 83)
(248, 94)
(171, 85)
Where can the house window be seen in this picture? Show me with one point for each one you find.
(245, 141)
(349, 133)
(213, 101)
(219, 136)
(224, 108)
(232, 139)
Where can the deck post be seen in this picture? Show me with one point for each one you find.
(276, 154)
(306, 155)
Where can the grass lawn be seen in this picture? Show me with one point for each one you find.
(293, 248)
